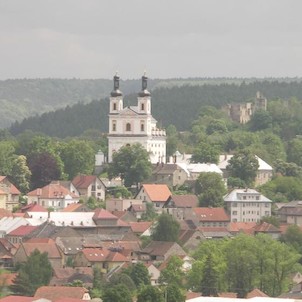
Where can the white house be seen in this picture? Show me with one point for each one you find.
(247, 205)
(134, 124)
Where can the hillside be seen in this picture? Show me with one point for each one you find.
(171, 103)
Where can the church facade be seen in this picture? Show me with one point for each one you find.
(134, 124)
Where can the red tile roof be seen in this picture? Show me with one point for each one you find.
(157, 192)
(140, 227)
(22, 230)
(256, 293)
(185, 201)
(55, 293)
(245, 227)
(211, 214)
(52, 190)
(33, 207)
(265, 227)
(103, 214)
(17, 299)
(83, 181)
(101, 255)
(72, 207)
(5, 213)
(95, 254)
(43, 245)
(7, 279)
(12, 188)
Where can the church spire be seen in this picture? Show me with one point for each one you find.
(116, 86)
(144, 91)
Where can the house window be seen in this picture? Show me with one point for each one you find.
(128, 127)
(234, 213)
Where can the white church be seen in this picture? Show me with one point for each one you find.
(135, 124)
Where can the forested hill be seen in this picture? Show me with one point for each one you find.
(178, 105)
(22, 98)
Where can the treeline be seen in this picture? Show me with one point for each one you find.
(22, 98)
(177, 105)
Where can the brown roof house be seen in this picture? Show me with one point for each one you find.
(17, 235)
(9, 194)
(103, 258)
(7, 250)
(170, 174)
(210, 217)
(161, 250)
(54, 293)
(107, 222)
(89, 186)
(178, 205)
(267, 228)
(157, 194)
(62, 276)
(47, 245)
(53, 195)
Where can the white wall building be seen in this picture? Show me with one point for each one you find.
(134, 124)
(247, 205)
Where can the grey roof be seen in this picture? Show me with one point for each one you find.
(237, 194)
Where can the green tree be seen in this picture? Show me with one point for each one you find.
(210, 278)
(123, 278)
(78, 157)
(166, 229)
(261, 120)
(205, 153)
(294, 151)
(132, 164)
(21, 174)
(150, 293)
(34, 273)
(150, 213)
(117, 293)
(243, 165)
(172, 139)
(283, 189)
(287, 169)
(293, 237)
(211, 189)
(139, 274)
(173, 273)
(174, 294)
(215, 126)
(7, 156)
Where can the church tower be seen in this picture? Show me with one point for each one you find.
(134, 124)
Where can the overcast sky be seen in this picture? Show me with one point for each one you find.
(167, 38)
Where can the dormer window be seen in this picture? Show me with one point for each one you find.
(114, 106)
(128, 127)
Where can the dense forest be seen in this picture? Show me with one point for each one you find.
(176, 102)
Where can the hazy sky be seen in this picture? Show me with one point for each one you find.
(167, 38)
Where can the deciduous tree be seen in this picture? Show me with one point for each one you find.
(131, 163)
(211, 189)
(243, 165)
(166, 229)
(34, 273)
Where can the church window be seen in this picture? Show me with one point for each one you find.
(142, 106)
(114, 106)
(142, 127)
(128, 127)
(114, 126)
